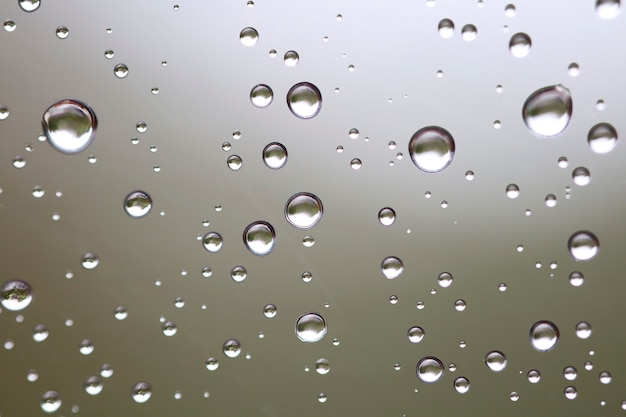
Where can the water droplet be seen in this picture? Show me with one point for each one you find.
(40, 332)
(120, 313)
(356, 163)
(212, 242)
(322, 366)
(232, 348)
(29, 5)
(179, 302)
(275, 155)
(576, 279)
(239, 274)
(291, 58)
(212, 364)
(4, 112)
(303, 210)
(234, 162)
(62, 32)
(583, 245)
(259, 237)
(120, 71)
(90, 260)
(581, 176)
(137, 204)
(308, 241)
(446, 28)
(261, 95)
(304, 100)
(573, 69)
(607, 9)
(109, 54)
(602, 138)
(386, 216)
(9, 26)
(15, 295)
(70, 126)
(432, 148)
(459, 305)
(469, 32)
(534, 376)
(461, 385)
(311, 327)
(19, 162)
(50, 401)
(429, 369)
(544, 335)
(445, 279)
(141, 127)
(32, 376)
(514, 396)
(169, 328)
(512, 191)
(605, 377)
(519, 45)
(551, 200)
(141, 392)
(249, 36)
(393, 300)
(392, 267)
(570, 373)
(548, 111)
(415, 334)
(86, 347)
(353, 133)
(307, 276)
(509, 10)
(270, 311)
(322, 397)
(570, 393)
(496, 361)
(93, 385)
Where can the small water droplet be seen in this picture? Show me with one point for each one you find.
(15, 295)
(141, 127)
(291, 58)
(512, 191)
(141, 392)
(212, 364)
(261, 95)
(573, 69)
(356, 163)
(415, 334)
(600, 105)
(514, 396)
(270, 311)
(605, 377)
(62, 32)
(86, 347)
(249, 36)
(109, 54)
(70, 126)
(307, 276)
(496, 361)
(432, 149)
(120, 313)
(608, 9)
(570, 373)
(304, 100)
(520, 45)
(576, 279)
(311, 327)
(392, 267)
(570, 393)
(259, 238)
(583, 245)
(446, 28)
(459, 305)
(303, 210)
(322, 397)
(393, 300)
(40, 332)
(232, 348)
(93, 385)
(169, 328)
(469, 32)
(544, 335)
(120, 71)
(445, 279)
(461, 385)
(548, 110)
(551, 200)
(322, 366)
(239, 274)
(509, 10)
(583, 330)
(137, 204)
(386, 216)
(212, 242)
(234, 162)
(275, 155)
(602, 138)
(534, 376)
(29, 5)
(502, 287)
(50, 401)
(32, 376)
(90, 260)
(581, 176)
(429, 369)
(9, 25)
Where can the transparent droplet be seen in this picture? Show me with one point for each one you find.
(356, 163)
(291, 58)
(570, 373)
(9, 26)
(93, 385)
(19, 162)
(239, 274)
(234, 162)
(496, 361)
(120, 71)
(548, 111)
(459, 305)
(4, 112)
(432, 149)
(212, 364)
(16, 295)
(520, 45)
(232, 348)
(275, 155)
(509, 10)
(469, 32)
(249, 36)
(461, 385)
(583, 245)
(602, 138)
(141, 127)
(308, 241)
(581, 176)
(70, 126)
(303, 210)
(386, 216)
(261, 95)
(583, 330)
(322, 397)
(415, 334)
(32, 376)
(311, 327)
(576, 279)
(29, 5)
(573, 69)
(62, 32)
(570, 393)
(322, 366)
(109, 54)
(212, 242)
(502, 287)
(90, 260)
(270, 311)
(608, 9)
(86, 347)
(544, 335)
(605, 377)
(534, 376)
(600, 105)
(50, 401)
(141, 392)
(514, 396)
(392, 267)
(40, 332)
(445, 279)
(307, 276)
(551, 200)
(446, 28)
(304, 100)
(393, 299)
(353, 133)
(260, 238)
(137, 204)
(120, 313)
(429, 369)
(169, 328)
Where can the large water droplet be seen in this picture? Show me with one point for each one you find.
(141, 392)
(392, 267)
(387, 216)
(445, 279)
(432, 148)
(304, 100)
(583, 245)
(50, 401)
(608, 9)
(261, 95)
(93, 385)
(519, 45)
(415, 334)
(304, 210)
(583, 330)
(311, 327)
(548, 111)
(29, 5)
(429, 369)
(446, 28)
(90, 260)
(232, 348)
(249, 36)
(275, 155)
(212, 242)
(544, 335)
(496, 361)
(16, 295)
(70, 126)
(461, 385)
(259, 237)
(137, 204)
(602, 138)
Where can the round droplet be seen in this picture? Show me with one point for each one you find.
(93, 385)
(86, 347)
(429, 369)
(212, 242)
(90, 260)
(563, 162)
(291, 58)
(322, 397)
(261, 95)
(583, 245)
(573, 69)
(356, 163)
(461, 385)
(142, 127)
(547, 111)
(432, 148)
(70, 126)
(106, 371)
(120, 313)
(308, 241)
(29, 5)
(249, 36)
(40, 332)
(570, 393)
(304, 210)
(387, 216)
(551, 200)
(445, 279)
(120, 71)
(576, 279)
(275, 155)
(270, 311)
(137, 204)
(446, 28)
(239, 274)
(514, 396)
(583, 330)
(109, 54)
(509, 10)
(232, 348)
(544, 335)
(570, 373)
(605, 377)
(307, 276)
(392, 267)
(534, 376)
(50, 401)
(459, 305)
(520, 44)
(179, 302)
(4, 112)
(141, 392)
(259, 237)
(496, 361)
(234, 162)
(32, 376)
(311, 327)
(581, 176)
(469, 32)
(602, 138)
(322, 366)
(62, 32)
(15, 295)
(169, 328)
(212, 364)
(607, 9)
(304, 100)
(415, 334)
